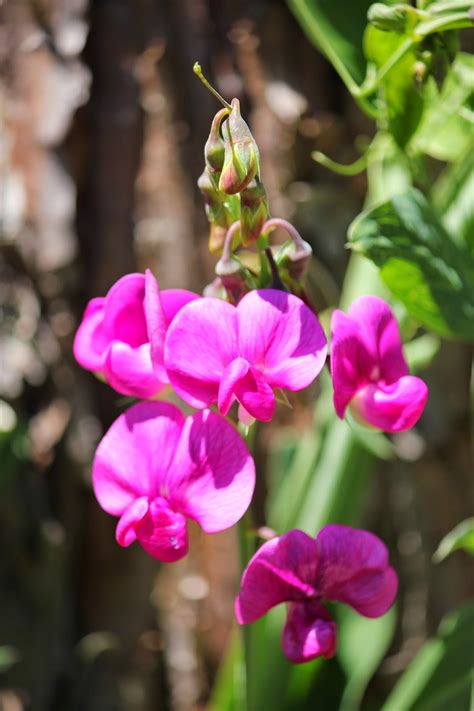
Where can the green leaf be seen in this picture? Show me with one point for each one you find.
(452, 196)
(446, 131)
(337, 30)
(441, 674)
(419, 263)
(362, 644)
(421, 351)
(402, 98)
(461, 537)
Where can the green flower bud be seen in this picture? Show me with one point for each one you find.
(242, 159)
(294, 259)
(391, 18)
(221, 210)
(253, 211)
(214, 150)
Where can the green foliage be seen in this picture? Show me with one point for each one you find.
(461, 537)
(441, 675)
(452, 196)
(362, 644)
(402, 99)
(447, 129)
(421, 265)
(337, 30)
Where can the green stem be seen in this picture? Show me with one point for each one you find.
(246, 538)
(354, 168)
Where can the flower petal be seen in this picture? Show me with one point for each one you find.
(352, 363)
(280, 336)
(234, 372)
(133, 514)
(134, 455)
(162, 532)
(282, 570)
(380, 331)
(90, 340)
(353, 568)
(200, 343)
(309, 632)
(391, 408)
(124, 314)
(213, 475)
(129, 370)
(160, 309)
(256, 396)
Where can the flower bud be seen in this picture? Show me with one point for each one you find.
(221, 210)
(233, 277)
(214, 150)
(253, 211)
(392, 18)
(242, 159)
(294, 259)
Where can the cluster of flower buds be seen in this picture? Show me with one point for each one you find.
(247, 340)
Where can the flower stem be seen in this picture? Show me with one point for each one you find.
(246, 538)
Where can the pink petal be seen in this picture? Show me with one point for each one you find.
(243, 382)
(129, 370)
(234, 372)
(308, 633)
(133, 514)
(353, 568)
(160, 309)
(213, 476)
(133, 457)
(90, 341)
(280, 336)
(162, 532)
(256, 396)
(200, 343)
(380, 331)
(282, 570)
(124, 314)
(391, 408)
(352, 363)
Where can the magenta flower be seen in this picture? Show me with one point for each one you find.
(342, 564)
(113, 340)
(369, 371)
(216, 352)
(154, 468)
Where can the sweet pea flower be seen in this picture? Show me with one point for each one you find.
(369, 371)
(155, 468)
(217, 352)
(342, 564)
(113, 339)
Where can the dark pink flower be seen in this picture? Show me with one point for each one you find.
(342, 564)
(113, 338)
(216, 352)
(368, 368)
(154, 468)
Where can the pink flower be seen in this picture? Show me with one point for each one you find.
(216, 352)
(369, 371)
(113, 337)
(154, 468)
(342, 564)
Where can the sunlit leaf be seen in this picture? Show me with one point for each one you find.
(337, 30)
(362, 645)
(441, 675)
(446, 131)
(461, 537)
(402, 98)
(419, 262)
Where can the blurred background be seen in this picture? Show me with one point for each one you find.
(102, 131)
